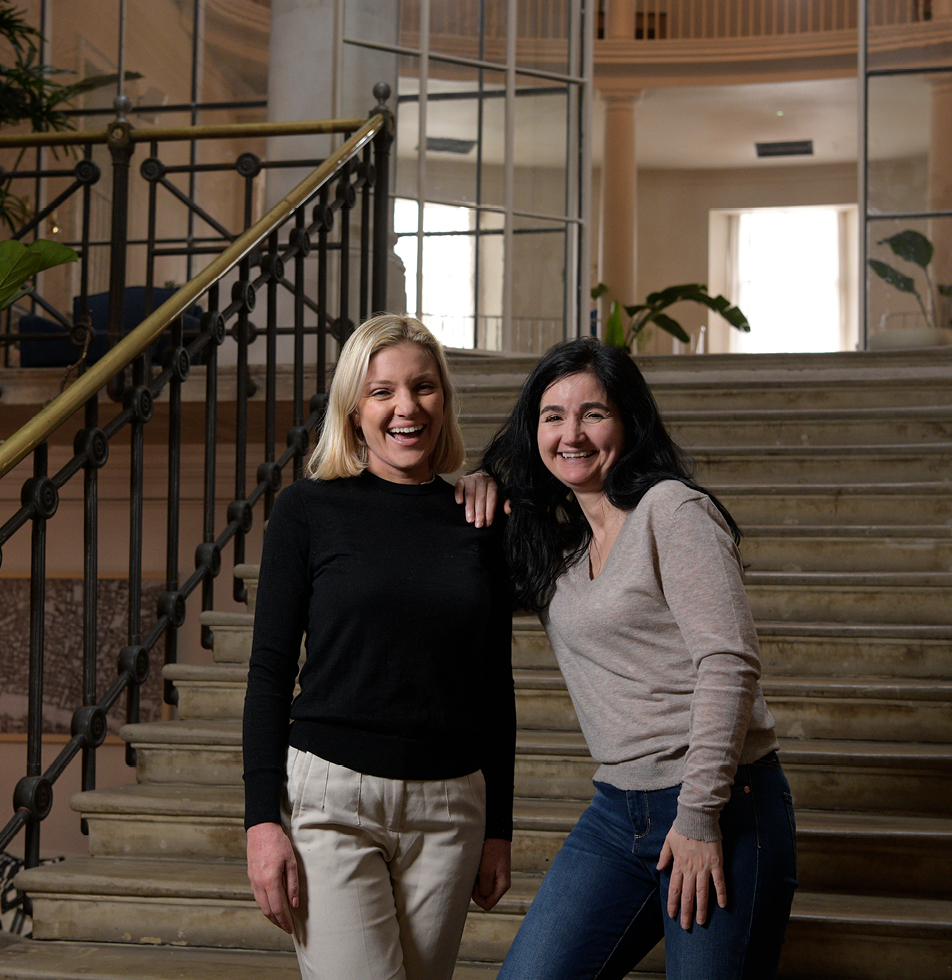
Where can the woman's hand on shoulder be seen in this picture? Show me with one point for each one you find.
(694, 865)
(272, 871)
(480, 495)
(493, 879)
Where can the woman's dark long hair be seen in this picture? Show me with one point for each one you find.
(547, 532)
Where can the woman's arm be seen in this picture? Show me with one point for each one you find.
(280, 621)
(702, 581)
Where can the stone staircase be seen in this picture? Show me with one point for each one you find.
(839, 469)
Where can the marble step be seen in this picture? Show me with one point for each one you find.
(198, 903)
(214, 692)
(855, 426)
(149, 901)
(879, 709)
(496, 395)
(825, 774)
(910, 598)
(57, 960)
(847, 549)
(834, 465)
(830, 935)
(820, 649)
(870, 851)
(872, 503)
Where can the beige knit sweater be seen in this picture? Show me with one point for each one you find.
(661, 659)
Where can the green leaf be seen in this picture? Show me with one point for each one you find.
(599, 290)
(911, 246)
(894, 277)
(19, 262)
(614, 330)
(672, 326)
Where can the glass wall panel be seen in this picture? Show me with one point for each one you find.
(464, 143)
(899, 137)
(907, 240)
(909, 281)
(490, 264)
(407, 110)
(540, 151)
(543, 36)
(539, 293)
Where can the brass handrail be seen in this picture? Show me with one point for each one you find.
(45, 422)
(162, 134)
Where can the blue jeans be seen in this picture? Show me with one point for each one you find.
(602, 905)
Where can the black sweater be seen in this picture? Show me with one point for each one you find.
(407, 622)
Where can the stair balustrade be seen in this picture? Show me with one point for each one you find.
(299, 256)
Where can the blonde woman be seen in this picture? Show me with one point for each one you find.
(379, 799)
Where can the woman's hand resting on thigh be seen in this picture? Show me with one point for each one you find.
(694, 864)
(493, 879)
(272, 871)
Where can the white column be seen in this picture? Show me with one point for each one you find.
(619, 249)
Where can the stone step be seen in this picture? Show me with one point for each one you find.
(873, 853)
(888, 597)
(849, 549)
(209, 692)
(833, 465)
(195, 751)
(149, 901)
(854, 426)
(497, 395)
(867, 850)
(52, 960)
(823, 649)
(864, 504)
(879, 709)
(154, 820)
(825, 774)
(830, 935)
(232, 631)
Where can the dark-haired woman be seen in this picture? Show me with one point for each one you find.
(635, 572)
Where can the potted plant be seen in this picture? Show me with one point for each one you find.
(932, 323)
(640, 315)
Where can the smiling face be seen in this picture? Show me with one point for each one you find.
(400, 413)
(580, 436)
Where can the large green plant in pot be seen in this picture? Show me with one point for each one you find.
(640, 315)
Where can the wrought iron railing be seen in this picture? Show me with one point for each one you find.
(301, 249)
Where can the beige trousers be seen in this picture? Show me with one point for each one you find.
(386, 867)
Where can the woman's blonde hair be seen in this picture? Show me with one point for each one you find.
(339, 453)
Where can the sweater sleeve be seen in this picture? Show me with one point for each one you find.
(498, 717)
(281, 611)
(702, 579)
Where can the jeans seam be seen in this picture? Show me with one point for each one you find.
(753, 904)
(627, 929)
